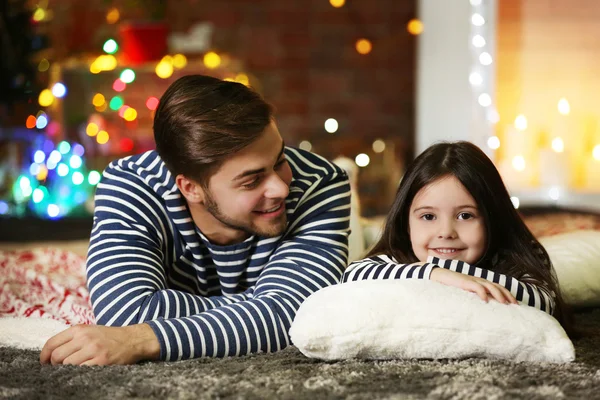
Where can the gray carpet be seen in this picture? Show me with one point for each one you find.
(289, 374)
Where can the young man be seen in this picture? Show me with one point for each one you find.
(208, 245)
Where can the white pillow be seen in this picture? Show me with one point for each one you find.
(405, 319)
(576, 259)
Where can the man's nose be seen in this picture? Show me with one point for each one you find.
(277, 188)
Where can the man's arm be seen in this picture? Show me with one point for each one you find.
(311, 258)
(125, 264)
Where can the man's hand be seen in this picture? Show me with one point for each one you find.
(101, 345)
(483, 288)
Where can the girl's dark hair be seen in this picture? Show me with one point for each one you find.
(202, 120)
(511, 248)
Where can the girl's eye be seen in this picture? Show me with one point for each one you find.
(428, 217)
(465, 216)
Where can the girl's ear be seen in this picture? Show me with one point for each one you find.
(191, 190)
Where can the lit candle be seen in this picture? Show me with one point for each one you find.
(554, 168)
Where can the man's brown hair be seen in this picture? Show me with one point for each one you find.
(202, 120)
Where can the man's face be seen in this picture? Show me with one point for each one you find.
(249, 190)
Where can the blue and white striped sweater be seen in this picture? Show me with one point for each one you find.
(148, 262)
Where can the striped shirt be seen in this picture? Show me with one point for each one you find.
(384, 267)
(148, 261)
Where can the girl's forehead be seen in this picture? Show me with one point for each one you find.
(445, 190)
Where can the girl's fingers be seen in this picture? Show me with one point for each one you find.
(479, 290)
(496, 293)
(507, 294)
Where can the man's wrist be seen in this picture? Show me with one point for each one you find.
(144, 342)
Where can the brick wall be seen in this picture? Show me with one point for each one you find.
(302, 54)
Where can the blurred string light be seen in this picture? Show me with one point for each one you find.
(44, 65)
(30, 122)
(4, 207)
(414, 27)
(46, 98)
(152, 103)
(41, 122)
(59, 90)
(64, 147)
(91, 129)
(55, 182)
(363, 46)
(105, 62)
(564, 108)
(112, 16)
(102, 137)
(110, 46)
(493, 142)
(39, 14)
(362, 160)
(126, 145)
(243, 79)
(378, 146)
(558, 145)
(119, 85)
(305, 145)
(75, 161)
(521, 122)
(212, 60)
(98, 100)
(93, 177)
(116, 103)
(481, 76)
(39, 157)
(122, 111)
(164, 69)
(127, 75)
(130, 114)
(179, 61)
(596, 152)
(518, 163)
(337, 3)
(331, 125)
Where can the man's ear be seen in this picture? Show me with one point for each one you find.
(191, 190)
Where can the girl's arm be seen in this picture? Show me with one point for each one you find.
(483, 282)
(527, 293)
(384, 267)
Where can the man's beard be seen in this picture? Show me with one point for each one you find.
(213, 208)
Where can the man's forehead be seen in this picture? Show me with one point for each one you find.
(262, 154)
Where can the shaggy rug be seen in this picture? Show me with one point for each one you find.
(289, 374)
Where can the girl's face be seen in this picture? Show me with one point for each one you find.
(444, 222)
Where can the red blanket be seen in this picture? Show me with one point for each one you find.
(47, 283)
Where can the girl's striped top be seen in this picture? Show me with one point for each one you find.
(384, 267)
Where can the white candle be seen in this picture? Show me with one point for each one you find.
(592, 174)
(554, 168)
(513, 178)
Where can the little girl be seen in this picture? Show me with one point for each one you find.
(453, 222)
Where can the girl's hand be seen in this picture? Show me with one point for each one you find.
(483, 288)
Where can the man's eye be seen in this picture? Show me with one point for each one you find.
(465, 216)
(428, 217)
(280, 163)
(252, 184)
